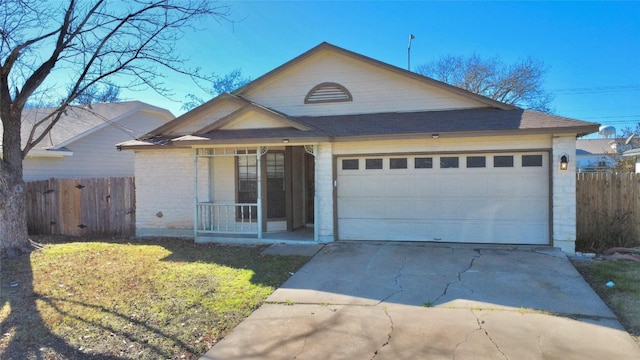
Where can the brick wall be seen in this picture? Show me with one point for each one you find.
(324, 190)
(164, 193)
(564, 194)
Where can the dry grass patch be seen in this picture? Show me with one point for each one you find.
(148, 299)
(624, 297)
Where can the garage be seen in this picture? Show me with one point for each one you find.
(488, 197)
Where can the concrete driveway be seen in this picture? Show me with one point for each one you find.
(431, 301)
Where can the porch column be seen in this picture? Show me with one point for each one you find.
(195, 194)
(313, 150)
(259, 176)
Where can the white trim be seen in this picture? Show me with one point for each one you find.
(48, 153)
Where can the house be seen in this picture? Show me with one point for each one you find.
(635, 153)
(596, 155)
(334, 146)
(82, 143)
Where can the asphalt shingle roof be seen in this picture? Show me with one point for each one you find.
(452, 121)
(76, 121)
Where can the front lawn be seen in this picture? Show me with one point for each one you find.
(131, 299)
(623, 298)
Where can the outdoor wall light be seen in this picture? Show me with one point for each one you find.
(286, 141)
(564, 162)
(435, 136)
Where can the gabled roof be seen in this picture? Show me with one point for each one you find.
(423, 124)
(252, 108)
(325, 46)
(488, 118)
(200, 110)
(482, 121)
(80, 121)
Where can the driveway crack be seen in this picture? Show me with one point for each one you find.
(389, 335)
(397, 281)
(486, 333)
(459, 277)
(304, 345)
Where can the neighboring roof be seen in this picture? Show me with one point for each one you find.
(632, 152)
(595, 147)
(325, 46)
(80, 121)
(467, 122)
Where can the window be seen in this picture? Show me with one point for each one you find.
(531, 160)
(503, 161)
(350, 164)
(423, 163)
(373, 164)
(398, 163)
(476, 161)
(449, 162)
(248, 184)
(328, 92)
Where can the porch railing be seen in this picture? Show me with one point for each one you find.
(227, 218)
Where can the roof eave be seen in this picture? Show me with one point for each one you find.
(574, 131)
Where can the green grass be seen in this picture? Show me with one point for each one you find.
(138, 299)
(624, 297)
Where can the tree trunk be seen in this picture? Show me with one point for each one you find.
(14, 236)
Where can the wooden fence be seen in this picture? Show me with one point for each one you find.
(608, 210)
(81, 207)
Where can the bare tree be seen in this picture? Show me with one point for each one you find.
(519, 84)
(97, 94)
(629, 139)
(220, 85)
(92, 42)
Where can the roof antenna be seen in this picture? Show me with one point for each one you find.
(411, 37)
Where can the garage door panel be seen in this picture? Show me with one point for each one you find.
(483, 205)
(502, 232)
(376, 208)
(393, 229)
(526, 209)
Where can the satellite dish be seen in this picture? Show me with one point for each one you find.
(629, 139)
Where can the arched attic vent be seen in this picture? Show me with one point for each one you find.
(328, 92)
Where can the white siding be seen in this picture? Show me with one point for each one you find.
(373, 89)
(95, 155)
(224, 173)
(199, 121)
(254, 120)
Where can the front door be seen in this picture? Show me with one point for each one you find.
(286, 189)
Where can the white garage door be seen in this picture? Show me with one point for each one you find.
(475, 198)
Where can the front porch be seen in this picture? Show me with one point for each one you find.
(300, 236)
(263, 194)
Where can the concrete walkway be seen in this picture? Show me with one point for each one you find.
(430, 301)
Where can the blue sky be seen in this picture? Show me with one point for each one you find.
(592, 49)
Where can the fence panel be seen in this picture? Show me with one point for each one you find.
(81, 207)
(608, 210)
